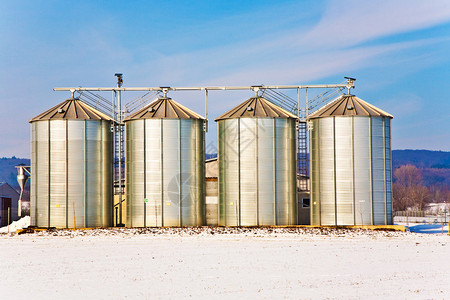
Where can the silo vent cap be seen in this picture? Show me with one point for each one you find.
(151, 109)
(349, 107)
(60, 110)
(249, 108)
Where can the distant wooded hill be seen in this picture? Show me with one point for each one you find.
(421, 158)
(434, 165)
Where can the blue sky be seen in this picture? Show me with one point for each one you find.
(399, 51)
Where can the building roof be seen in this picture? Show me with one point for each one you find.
(349, 105)
(71, 109)
(212, 168)
(6, 190)
(164, 108)
(256, 107)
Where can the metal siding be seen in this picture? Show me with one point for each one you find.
(229, 172)
(344, 171)
(378, 172)
(222, 172)
(64, 154)
(93, 174)
(281, 176)
(362, 165)
(188, 175)
(326, 170)
(200, 169)
(248, 172)
(356, 150)
(266, 170)
(107, 174)
(153, 169)
(292, 172)
(58, 174)
(388, 163)
(76, 176)
(285, 180)
(201, 173)
(165, 166)
(135, 173)
(171, 163)
(42, 174)
(128, 158)
(315, 174)
(33, 181)
(257, 170)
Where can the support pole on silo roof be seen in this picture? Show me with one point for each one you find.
(350, 83)
(307, 104)
(206, 110)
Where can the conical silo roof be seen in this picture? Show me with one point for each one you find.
(256, 107)
(71, 109)
(164, 108)
(349, 105)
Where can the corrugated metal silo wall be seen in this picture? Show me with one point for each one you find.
(257, 172)
(165, 165)
(71, 163)
(351, 171)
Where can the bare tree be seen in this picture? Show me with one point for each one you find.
(408, 175)
(420, 196)
(400, 197)
(408, 191)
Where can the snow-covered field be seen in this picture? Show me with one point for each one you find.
(224, 263)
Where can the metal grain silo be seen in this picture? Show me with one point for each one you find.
(72, 167)
(165, 165)
(257, 184)
(350, 146)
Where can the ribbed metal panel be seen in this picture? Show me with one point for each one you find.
(77, 174)
(351, 171)
(315, 173)
(256, 171)
(58, 173)
(229, 175)
(72, 173)
(362, 171)
(33, 183)
(266, 171)
(378, 172)
(343, 170)
(41, 173)
(327, 186)
(388, 168)
(165, 166)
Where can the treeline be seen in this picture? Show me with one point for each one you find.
(410, 192)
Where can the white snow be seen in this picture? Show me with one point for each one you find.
(224, 263)
(19, 224)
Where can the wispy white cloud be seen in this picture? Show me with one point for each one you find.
(348, 23)
(332, 46)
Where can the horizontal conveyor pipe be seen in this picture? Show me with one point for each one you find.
(211, 88)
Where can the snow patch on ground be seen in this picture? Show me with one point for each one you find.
(19, 224)
(224, 263)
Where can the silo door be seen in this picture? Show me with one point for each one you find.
(5, 204)
(303, 211)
